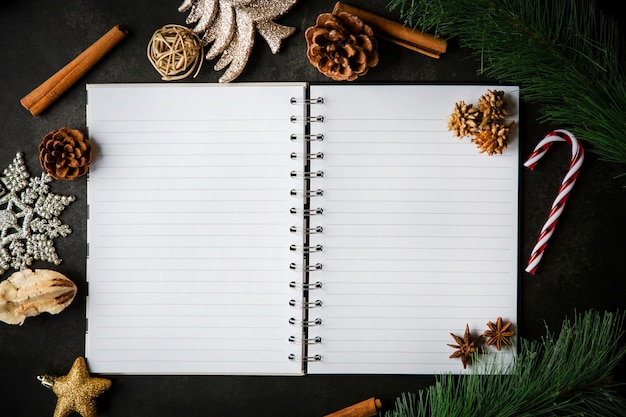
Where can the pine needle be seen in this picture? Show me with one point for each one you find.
(566, 56)
(568, 375)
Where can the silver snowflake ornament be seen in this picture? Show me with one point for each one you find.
(230, 26)
(29, 220)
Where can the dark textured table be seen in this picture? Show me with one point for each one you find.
(583, 267)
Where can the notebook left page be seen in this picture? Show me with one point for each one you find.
(188, 228)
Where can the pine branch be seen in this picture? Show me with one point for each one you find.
(566, 56)
(564, 376)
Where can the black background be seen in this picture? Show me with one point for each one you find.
(583, 267)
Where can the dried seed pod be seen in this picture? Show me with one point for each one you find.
(493, 139)
(492, 106)
(65, 154)
(28, 293)
(464, 119)
(341, 46)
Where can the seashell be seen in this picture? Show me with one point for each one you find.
(28, 293)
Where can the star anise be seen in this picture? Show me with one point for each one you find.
(499, 333)
(466, 346)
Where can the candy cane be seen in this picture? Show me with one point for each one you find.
(576, 162)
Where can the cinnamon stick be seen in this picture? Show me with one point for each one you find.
(367, 408)
(397, 33)
(45, 94)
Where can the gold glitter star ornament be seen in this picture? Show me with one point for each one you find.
(230, 26)
(77, 391)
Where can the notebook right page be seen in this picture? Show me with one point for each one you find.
(420, 229)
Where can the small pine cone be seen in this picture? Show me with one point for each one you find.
(494, 139)
(464, 119)
(341, 46)
(492, 106)
(65, 154)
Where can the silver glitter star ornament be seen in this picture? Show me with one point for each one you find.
(28, 218)
(230, 27)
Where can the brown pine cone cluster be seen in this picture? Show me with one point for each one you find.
(484, 124)
(464, 119)
(493, 138)
(341, 46)
(65, 154)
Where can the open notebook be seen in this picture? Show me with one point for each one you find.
(241, 229)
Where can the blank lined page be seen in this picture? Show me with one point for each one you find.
(188, 228)
(419, 229)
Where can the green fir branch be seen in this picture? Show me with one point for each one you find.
(568, 375)
(566, 56)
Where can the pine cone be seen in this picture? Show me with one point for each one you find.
(65, 154)
(464, 119)
(493, 139)
(341, 46)
(492, 106)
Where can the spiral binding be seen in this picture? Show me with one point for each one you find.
(306, 175)
(307, 212)
(314, 358)
(310, 341)
(305, 323)
(306, 304)
(307, 156)
(305, 286)
(307, 230)
(315, 267)
(306, 119)
(307, 137)
(306, 248)
(300, 100)
(306, 193)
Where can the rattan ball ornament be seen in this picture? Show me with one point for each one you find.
(175, 51)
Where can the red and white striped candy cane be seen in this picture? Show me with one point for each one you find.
(578, 153)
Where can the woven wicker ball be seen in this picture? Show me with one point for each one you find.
(175, 52)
